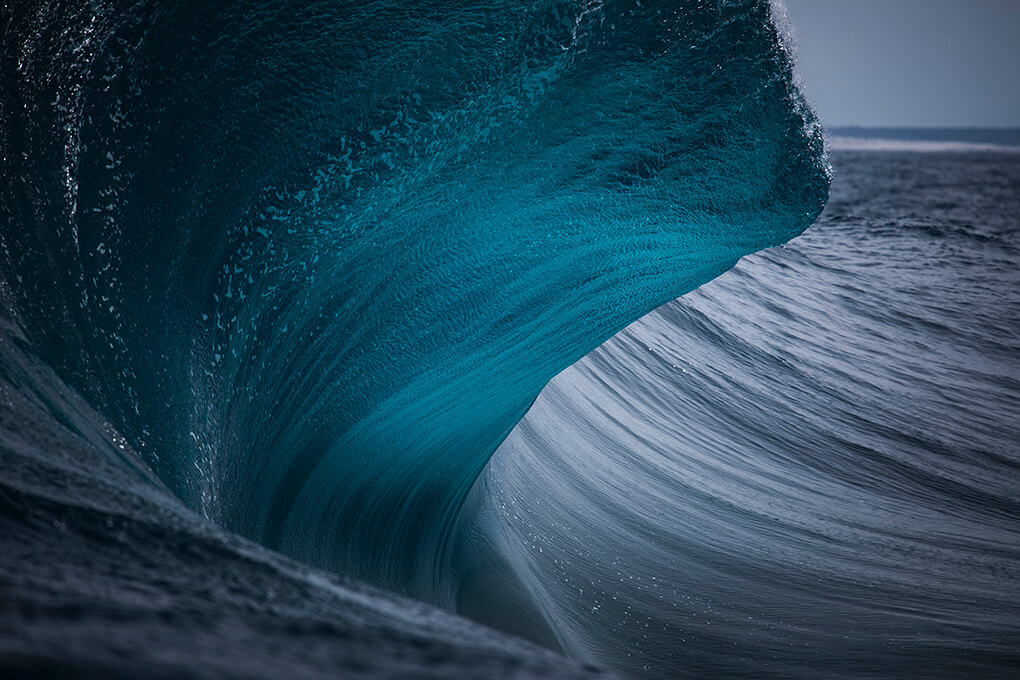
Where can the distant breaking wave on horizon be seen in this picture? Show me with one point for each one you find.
(1006, 140)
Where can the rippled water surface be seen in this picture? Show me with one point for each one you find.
(278, 278)
(809, 467)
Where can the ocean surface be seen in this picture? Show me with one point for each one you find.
(809, 467)
(317, 320)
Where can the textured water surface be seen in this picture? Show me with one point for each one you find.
(315, 260)
(806, 468)
(277, 279)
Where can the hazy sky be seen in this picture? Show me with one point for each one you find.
(910, 62)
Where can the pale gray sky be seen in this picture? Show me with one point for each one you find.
(912, 63)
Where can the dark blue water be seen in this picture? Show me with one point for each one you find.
(280, 278)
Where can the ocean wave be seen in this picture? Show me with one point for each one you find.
(314, 261)
(299, 273)
(805, 468)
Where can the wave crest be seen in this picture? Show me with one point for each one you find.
(315, 263)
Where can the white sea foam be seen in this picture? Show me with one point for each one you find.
(845, 143)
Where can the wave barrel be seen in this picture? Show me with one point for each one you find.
(315, 261)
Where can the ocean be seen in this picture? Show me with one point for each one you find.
(501, 340)
(807, 467)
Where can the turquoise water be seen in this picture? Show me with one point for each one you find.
(314, 261)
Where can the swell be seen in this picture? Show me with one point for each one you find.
(805, 468)
(314, 262)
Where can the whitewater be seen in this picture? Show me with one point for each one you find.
(299, 304)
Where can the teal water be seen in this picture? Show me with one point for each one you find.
(314, 261)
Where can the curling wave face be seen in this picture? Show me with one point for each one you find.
(315, 261)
